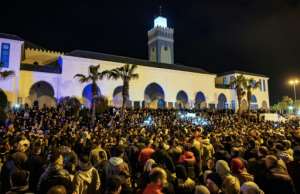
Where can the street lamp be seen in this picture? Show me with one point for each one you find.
(294, 83)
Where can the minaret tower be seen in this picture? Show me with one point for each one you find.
(160, 41)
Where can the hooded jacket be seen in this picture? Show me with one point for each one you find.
(87, 181)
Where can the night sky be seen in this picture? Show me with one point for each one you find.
(261, 36)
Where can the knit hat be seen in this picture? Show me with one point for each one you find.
(237, 165)
(215, 177)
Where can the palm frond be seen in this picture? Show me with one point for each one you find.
(5, 74)
(82, 78)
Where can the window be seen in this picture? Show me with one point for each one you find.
(166, 48)
(5, 48)
(264, 85)
(153, 49)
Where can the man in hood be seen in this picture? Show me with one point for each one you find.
(87, 180)
(118, 167)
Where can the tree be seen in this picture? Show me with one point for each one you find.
(283, 105)
(250, 85)
(126, 73)
(93, 76)
(238, 83)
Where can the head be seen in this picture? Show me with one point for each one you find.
(56, 158)
(57, 189)
(113, 185)
(181, 172)
(222, 168)
(200, 189)
(158, 176)
(271, 161)
(19, 178)
(231, 185)
(250, 188)
(237, 165)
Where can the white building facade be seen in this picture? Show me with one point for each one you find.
(46, 76)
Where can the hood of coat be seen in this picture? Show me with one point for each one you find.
(87, 176)
(116, 161)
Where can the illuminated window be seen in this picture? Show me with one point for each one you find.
(5, 48)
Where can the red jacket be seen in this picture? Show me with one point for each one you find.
(153, 188)
(187, 157)
(145, 154)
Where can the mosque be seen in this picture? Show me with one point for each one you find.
(47, 76)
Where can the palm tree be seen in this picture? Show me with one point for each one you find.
(126, 73)
(250, 85)
(93, 76)
(238, 83)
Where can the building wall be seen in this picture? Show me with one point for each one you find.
(260, 94)
(10, 85)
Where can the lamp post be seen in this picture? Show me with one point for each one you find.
(294, 83)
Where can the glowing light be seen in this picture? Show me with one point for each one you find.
(290, 107)
(160, 22)
(17, 106)
(148, 121)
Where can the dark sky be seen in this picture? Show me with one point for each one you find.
(261, 36)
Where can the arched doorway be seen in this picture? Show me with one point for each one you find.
(42, 92)
(253, 103)
(264, 105)
(222, 102)
(3, 100)
(154, 96)
(200, 101)
(87, 94)
(182, 99)
(117, 97)
(41, 88)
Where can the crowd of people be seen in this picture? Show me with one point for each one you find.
(59, 151)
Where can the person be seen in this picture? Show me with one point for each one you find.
(231, 185)
(19, 182)
(294, 169)
(113, 185)
(55, 174)
(146, 153)
(277, 178)
(117, 166)
(251, 188)
(98, 154)
(86, 180)
(158, 179)
(184, 184)
(238, 169)
(222, 168)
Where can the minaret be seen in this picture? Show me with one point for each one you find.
(160, 42)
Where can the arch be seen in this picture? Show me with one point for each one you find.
(88, 95)
(253, 103)
(3, 100)
(41, 88)
(200, 101)
(117, 97)
(222, 102)
(182, 99)
(42, 93)
(264, 105)
(154, 96)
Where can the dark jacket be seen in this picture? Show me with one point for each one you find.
(294, 172)
(278, 182)
(54, 175)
